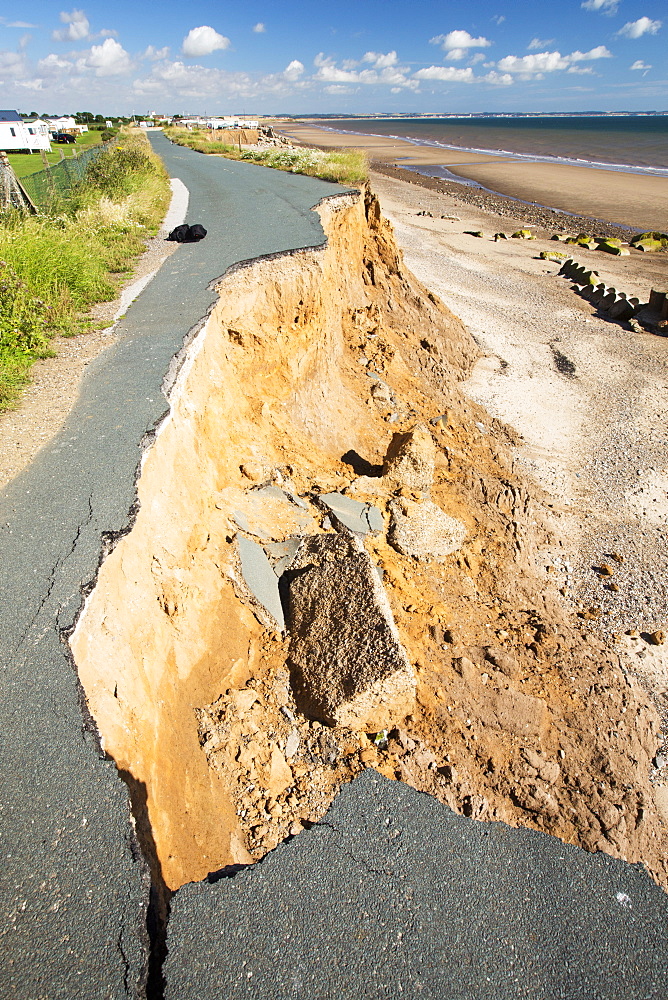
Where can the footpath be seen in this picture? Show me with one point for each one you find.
(391, 893)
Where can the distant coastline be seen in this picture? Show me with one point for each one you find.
(634, 195)
(641, 139)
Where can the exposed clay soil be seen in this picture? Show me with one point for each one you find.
(523, 712)
(526, 711)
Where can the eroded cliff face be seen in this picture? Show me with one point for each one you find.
(294, 389)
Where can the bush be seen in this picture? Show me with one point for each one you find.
(113, 171)
(54, 269)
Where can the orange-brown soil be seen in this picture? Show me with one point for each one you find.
(520, 714)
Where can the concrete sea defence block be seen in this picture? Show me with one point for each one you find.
(347, 663)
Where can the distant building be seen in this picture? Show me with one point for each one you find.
(65, 123)
(15, 134)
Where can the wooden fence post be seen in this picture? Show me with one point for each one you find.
(13, 192)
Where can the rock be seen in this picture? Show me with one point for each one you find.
(523, 234)
(423, 530)
(362, 518)
(292, 743)
(347, 663)
(499, 236)
(411, 459)
(244, 700)
(280, 775)
(657, 638)
(605, 570)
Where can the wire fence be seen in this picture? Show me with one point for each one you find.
(50, 189)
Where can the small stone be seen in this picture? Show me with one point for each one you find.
(292, 744)
(605, 569)
(657, 638)
(295, 829)
(614, 587)
(244, 700)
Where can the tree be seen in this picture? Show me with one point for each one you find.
(85, 116)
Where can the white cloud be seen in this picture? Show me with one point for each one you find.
(643, 26)
(600, 52)
(108, 59)
(203, 41)
(639, 64)
(380, 60)
(78, 27)
(336, 88)
(12, 65)
(499, 18)
(446, 74)
(52, 65)
(498, 79)
(606, 6)
(539, 43)
(293, 70)
(20, 24)
(384, 71)
(457, 43)
(534, 66)
(150, 52)
(259, 28)
(177, 80)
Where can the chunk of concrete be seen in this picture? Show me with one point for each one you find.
(347, 663)
(259, 583)
(362, 518)
(411, 459)
(423, 530)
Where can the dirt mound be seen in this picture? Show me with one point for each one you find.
(306, 370)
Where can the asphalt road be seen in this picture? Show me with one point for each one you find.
(393, 895)
(74, 888)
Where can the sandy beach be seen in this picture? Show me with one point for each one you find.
(634, 200)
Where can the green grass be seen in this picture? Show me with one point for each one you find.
(53, 269)
(31, 163)
(347, 167)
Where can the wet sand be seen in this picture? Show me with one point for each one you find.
(635, 200)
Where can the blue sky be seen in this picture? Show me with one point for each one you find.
(270, 57)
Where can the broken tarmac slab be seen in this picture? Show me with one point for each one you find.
(393, 894)
(347, 663)
(362, 518)
(258, 583)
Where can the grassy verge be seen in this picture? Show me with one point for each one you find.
(53, 269)
(348, 167)
(30, 163)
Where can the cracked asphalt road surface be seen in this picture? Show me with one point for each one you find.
(75, 890)
(393, 894)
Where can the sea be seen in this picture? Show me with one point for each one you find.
(638, 144)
